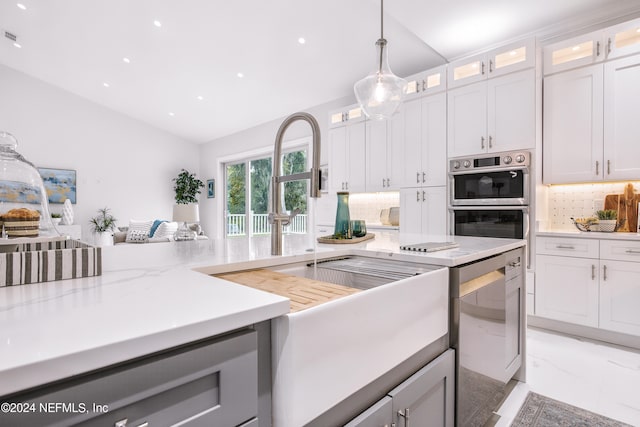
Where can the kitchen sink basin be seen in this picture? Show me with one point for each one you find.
(323, 354)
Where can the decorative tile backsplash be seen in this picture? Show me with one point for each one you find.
(579, 200)
(367, 206)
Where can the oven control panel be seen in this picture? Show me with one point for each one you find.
(514, 159)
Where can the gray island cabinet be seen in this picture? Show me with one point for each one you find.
(209, 383)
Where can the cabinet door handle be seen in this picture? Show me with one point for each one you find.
(597, 167)
(424, 85)
(423, 196)
(604, 271)
(405, 415)
(609, 46)
(608, 167)
(417, 196)
(482, 67)
(565, 247)
(423, 177)
(417, 177)
(593, 272)
(346, 185)
(388, 182)
(490, 141)
(491, 65)
(598, 49)
(631, 251)
(482, 142)
(383, 183)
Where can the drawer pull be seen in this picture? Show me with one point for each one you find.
(593, 272)
(565, 247)
(604, 269)
(405, 415)
(145, 424)
(632, 251)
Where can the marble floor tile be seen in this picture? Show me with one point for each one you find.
(601, 378)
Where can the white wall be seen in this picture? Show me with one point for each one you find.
(262, 136)
(121, 163)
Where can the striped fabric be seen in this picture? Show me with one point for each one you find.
(47, 261)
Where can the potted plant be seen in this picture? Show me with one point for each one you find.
(607, 220)
(187, 188)
(56, 218)
(103, 225)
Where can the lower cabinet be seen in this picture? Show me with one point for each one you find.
(423, 210)
(427, 398)
(205, 384)
(599, 286)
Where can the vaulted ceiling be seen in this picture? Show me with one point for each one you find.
(202, 69)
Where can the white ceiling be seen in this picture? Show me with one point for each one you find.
(202, 45)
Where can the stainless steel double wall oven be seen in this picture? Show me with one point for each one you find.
(489, 195)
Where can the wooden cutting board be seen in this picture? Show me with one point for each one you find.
(626, 205)
(302, 292)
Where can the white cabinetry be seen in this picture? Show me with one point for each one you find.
(492, 116)
(347, 150)
(425, 141)
(423, 210)
(590, 123)
(384, 154)
(505, 59)
(589, 282)
(428, 82)
(620, 286)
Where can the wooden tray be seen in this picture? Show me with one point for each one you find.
(626, 205)
(330, 239)
(302, 292)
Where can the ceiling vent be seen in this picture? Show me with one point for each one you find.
(10, 36)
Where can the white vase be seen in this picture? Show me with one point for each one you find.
(103, 239)
(67, 213)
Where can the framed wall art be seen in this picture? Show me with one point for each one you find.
(60, 184)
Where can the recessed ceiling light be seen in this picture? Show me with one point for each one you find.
(171, 113)
(301, 40)
(21, 6)
(125, 59)
(105, 84)
(240, 75)
(200, 97)
(157, 23)
(18, 45)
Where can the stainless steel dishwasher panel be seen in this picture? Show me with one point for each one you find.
(479, 335)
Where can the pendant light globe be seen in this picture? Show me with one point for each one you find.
(381, 92)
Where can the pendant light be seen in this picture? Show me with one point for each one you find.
(381, 92)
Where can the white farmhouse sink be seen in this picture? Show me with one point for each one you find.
(323, 354)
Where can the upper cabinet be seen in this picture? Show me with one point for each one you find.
(492, 116)
(428, 82)
(506, 59)
(613, 42)
(590, 113)
(347, 150)
(384, 152)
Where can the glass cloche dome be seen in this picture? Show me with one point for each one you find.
(24, 205)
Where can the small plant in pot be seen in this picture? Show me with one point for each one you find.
(187, 188)
(103, 225)
(607, 220)
(56, 218)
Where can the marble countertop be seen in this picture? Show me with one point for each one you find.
(588, 235)
(155, 296)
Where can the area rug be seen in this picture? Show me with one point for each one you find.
(541, 411)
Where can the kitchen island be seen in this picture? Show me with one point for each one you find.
(155, 297)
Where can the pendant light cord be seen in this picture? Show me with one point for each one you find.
(382, 41)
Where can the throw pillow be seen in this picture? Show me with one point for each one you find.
(155, 225)
(137, 237)
(166, 229)
(138, 227)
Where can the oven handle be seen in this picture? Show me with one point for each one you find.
(524, 169)
(525, 209)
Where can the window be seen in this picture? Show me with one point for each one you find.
(247, 194)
